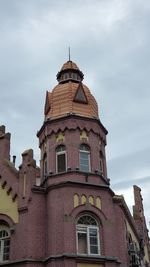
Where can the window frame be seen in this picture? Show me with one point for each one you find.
(84, 228)
(101, 162)
(86, 152)
(3, 244)
(58, 153)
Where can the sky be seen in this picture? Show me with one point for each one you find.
(110, 42)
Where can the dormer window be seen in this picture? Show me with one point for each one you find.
(66, 76)
(74, 76)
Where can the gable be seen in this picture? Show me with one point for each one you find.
(80, 95)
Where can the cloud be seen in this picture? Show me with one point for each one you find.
(110, 43)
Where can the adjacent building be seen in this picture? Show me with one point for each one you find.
(65, 214)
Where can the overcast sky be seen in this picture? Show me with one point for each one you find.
(110, 42)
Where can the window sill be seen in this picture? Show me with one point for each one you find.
(96, 258)
(88, 255)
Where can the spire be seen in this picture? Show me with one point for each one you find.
(69, 52)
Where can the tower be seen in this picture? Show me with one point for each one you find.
(80, 204)
(73, 166)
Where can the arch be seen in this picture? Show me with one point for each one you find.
(6, 220)
(84, 147)
(60, 148)
(87, 219)
(94, 211)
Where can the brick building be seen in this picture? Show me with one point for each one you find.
(65, 214)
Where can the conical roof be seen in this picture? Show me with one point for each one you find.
(70, 96)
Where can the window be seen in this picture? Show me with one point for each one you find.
(61, 158)
(101, 166)
(134, 260)
(84, 158)
(45, 165)
(87, 236)
(4, 243)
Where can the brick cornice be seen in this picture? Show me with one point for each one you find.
(68, 117)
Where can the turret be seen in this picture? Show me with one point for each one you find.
(72, 138)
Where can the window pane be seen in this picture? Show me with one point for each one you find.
(82, 243)
(61, 163)
(84, 155)
(101, 166)
(6, 249)
(94, 249)
(87, 220)
(93, 234)
(93, 240)
(84, 161)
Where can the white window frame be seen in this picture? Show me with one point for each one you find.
(2, 242)
(83, 228)
(89, 159)
(61, 153)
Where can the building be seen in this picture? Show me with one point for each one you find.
(65, 213)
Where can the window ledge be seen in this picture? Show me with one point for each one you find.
(98, 258)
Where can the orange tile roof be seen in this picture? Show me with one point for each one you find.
(61, 102)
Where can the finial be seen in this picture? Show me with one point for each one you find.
(69, 53)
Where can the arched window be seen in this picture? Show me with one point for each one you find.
(87, 235)
(44, 164)
(61, 158)
(101, 163)
(84, 158)
(4, 243)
